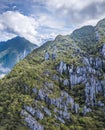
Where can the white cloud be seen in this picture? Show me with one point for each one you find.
(15, 23)
(74, 4)
(91, 21)
(77, 12)
(4, 36)
(1, 76)
(49, 21)
(27, 27)
(47, 18)
(4, 70)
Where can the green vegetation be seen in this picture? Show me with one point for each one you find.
(16, 87)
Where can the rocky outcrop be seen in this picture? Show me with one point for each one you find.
(54, 53)
(89, 75)
(62, 67)
(47, 111)
(97, 36)
(86, 110)
(103, 50)
(34, 112)
(47, 56)
(31, 122)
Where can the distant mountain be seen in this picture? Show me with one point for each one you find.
(12, 51)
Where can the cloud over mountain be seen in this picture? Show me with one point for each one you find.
(15, 23)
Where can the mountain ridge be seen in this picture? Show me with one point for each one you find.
(60, 83)
(14, 50)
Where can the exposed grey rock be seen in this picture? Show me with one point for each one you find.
(66, 115)
(60, 79)
(70, 101)
(49, 85)
(90, 91)
(31, 122)
(48, 100)
(97, 36)
(86, 61)
(87, 90)
(89, 69)
(34, 112)
(76, 108)
(64, 94)
(60, 113)
(86, 110)
(55, 77)
(34, 90)
(103, 86)
(70, 70)
(98, 87)
(30, 110)
(62, 67)
(100, 104)
(47, 111)
(61, 120)
(74, 79)
(38, 114)
(103, 62)
(66, 82)
(47, 56)
(103, 50)
(91, 60)
(54, 54)
(103, 82)
(55, 110)
(57, 102)
(41, 94)
(98, 63)
(79, 70)
(65, 108)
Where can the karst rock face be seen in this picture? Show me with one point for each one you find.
(90, 74)
(61, 83)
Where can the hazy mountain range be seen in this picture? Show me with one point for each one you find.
(12, 51)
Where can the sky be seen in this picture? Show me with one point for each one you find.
(41, 20)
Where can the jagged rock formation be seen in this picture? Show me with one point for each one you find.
(32, 123)
(61, 83)
(47, 56)
(53, 55)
